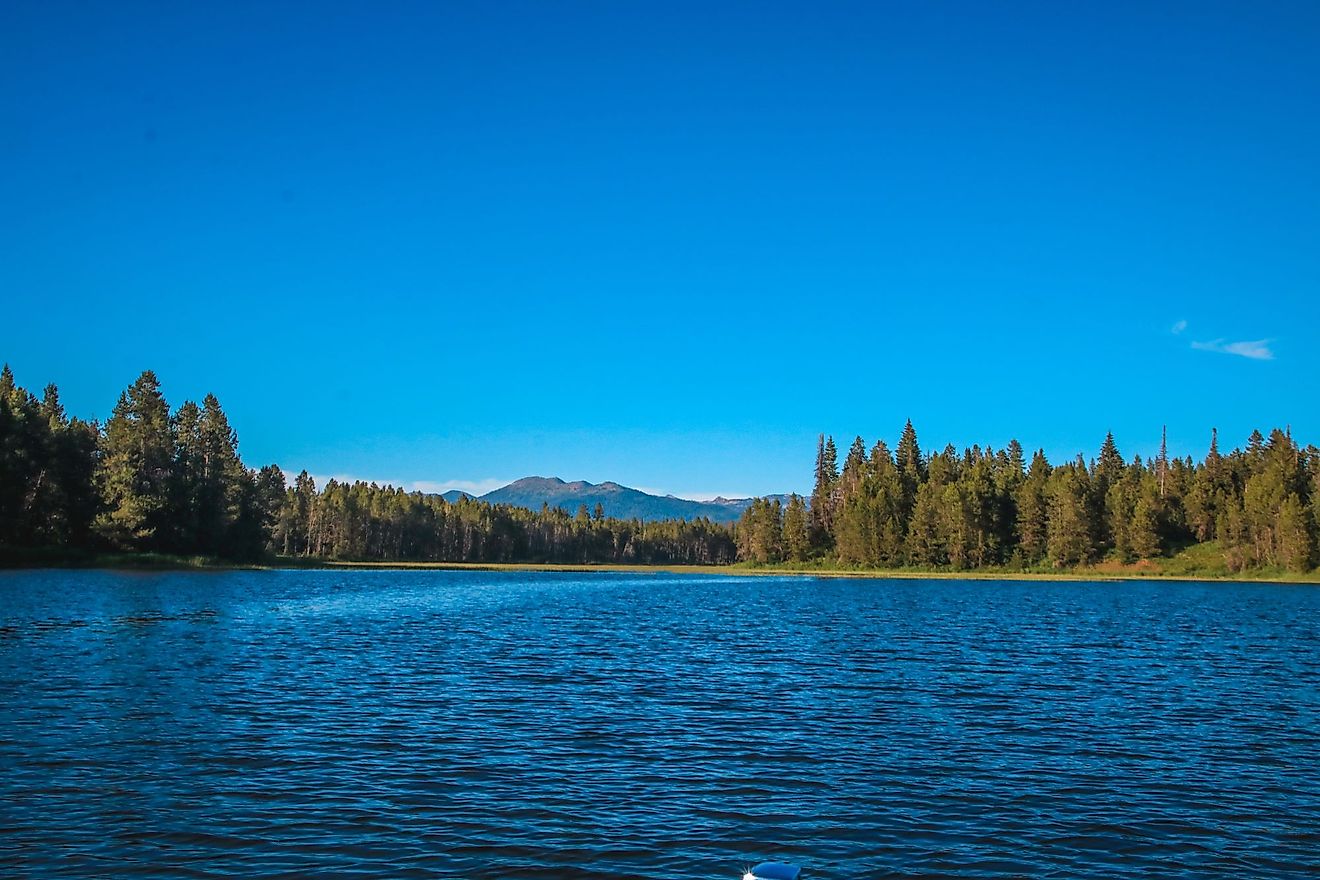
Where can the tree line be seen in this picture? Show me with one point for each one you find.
(152, 480)
(148, 480)
(364, 521)
(155, 480)
(1258, 505)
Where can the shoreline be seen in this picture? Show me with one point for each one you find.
(739, 569)
(157, 562)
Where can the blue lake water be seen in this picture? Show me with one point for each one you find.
(471, 724)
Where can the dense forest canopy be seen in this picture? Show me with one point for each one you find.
(154, 480)
(1260, 506)
(147, 480)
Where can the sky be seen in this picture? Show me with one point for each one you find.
(667, 244)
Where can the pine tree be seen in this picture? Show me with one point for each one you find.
(1109, 467)
(1296, 540)
(1108, 471)
(957, 527)
(925, 543)
(827, 475)
(1016, 460)
(1206, 493)
(797, 541)
(854, 470)
(186, 478)
(1255, 451)
(882, 499)
(1145, 525)
(760, 531)
(73, 469)
(136, 462)
(908, 455)
(1033, 511)
(981, 509)
(852, 529)
(222, 485)
(1070, 540)
(293, 533)
(1162, 463)
(911, 470)
(261, 496)
(25, 440)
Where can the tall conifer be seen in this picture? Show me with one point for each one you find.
(136, 464)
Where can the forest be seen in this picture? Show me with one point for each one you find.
(1258, 506)
(152, 480)
(155, 481)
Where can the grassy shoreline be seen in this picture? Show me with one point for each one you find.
(1177, 568)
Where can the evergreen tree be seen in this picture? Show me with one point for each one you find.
(852, 528)
(186, 477)
(925, 538)
(1033, 511)
(75, 504)
(136, 464)
(908, 458)
(854, 466)
(223, 486)
(1109, 467)
(1278, 483)
(956, 527)
(1070, 539)
(1296, 541)
(261, 496)
(827, 475)
(1016, 460)
(1255, 452)
(151, 481)
(293, 533)
(24, 447)
(884, 495)
(1207, 493)
(1144, 530)
(1009, 474)
(1108, 470)
(797, 540)
(760, 531)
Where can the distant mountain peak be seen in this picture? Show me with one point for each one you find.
(617, 500)
(532, 481)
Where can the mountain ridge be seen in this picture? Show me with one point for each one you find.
(617, 500)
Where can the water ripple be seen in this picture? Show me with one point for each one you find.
(465, 724)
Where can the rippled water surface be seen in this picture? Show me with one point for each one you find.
(474, 724)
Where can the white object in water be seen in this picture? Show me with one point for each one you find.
(773, 871)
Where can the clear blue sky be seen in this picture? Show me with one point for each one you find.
(666, 244)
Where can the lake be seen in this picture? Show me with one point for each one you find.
(490, 724)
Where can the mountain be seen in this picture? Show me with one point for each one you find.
(455, 495)
(617, 501)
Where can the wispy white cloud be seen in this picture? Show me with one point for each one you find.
(1178, 327)
(1256, 349)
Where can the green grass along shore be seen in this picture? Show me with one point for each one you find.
(1202, 562)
